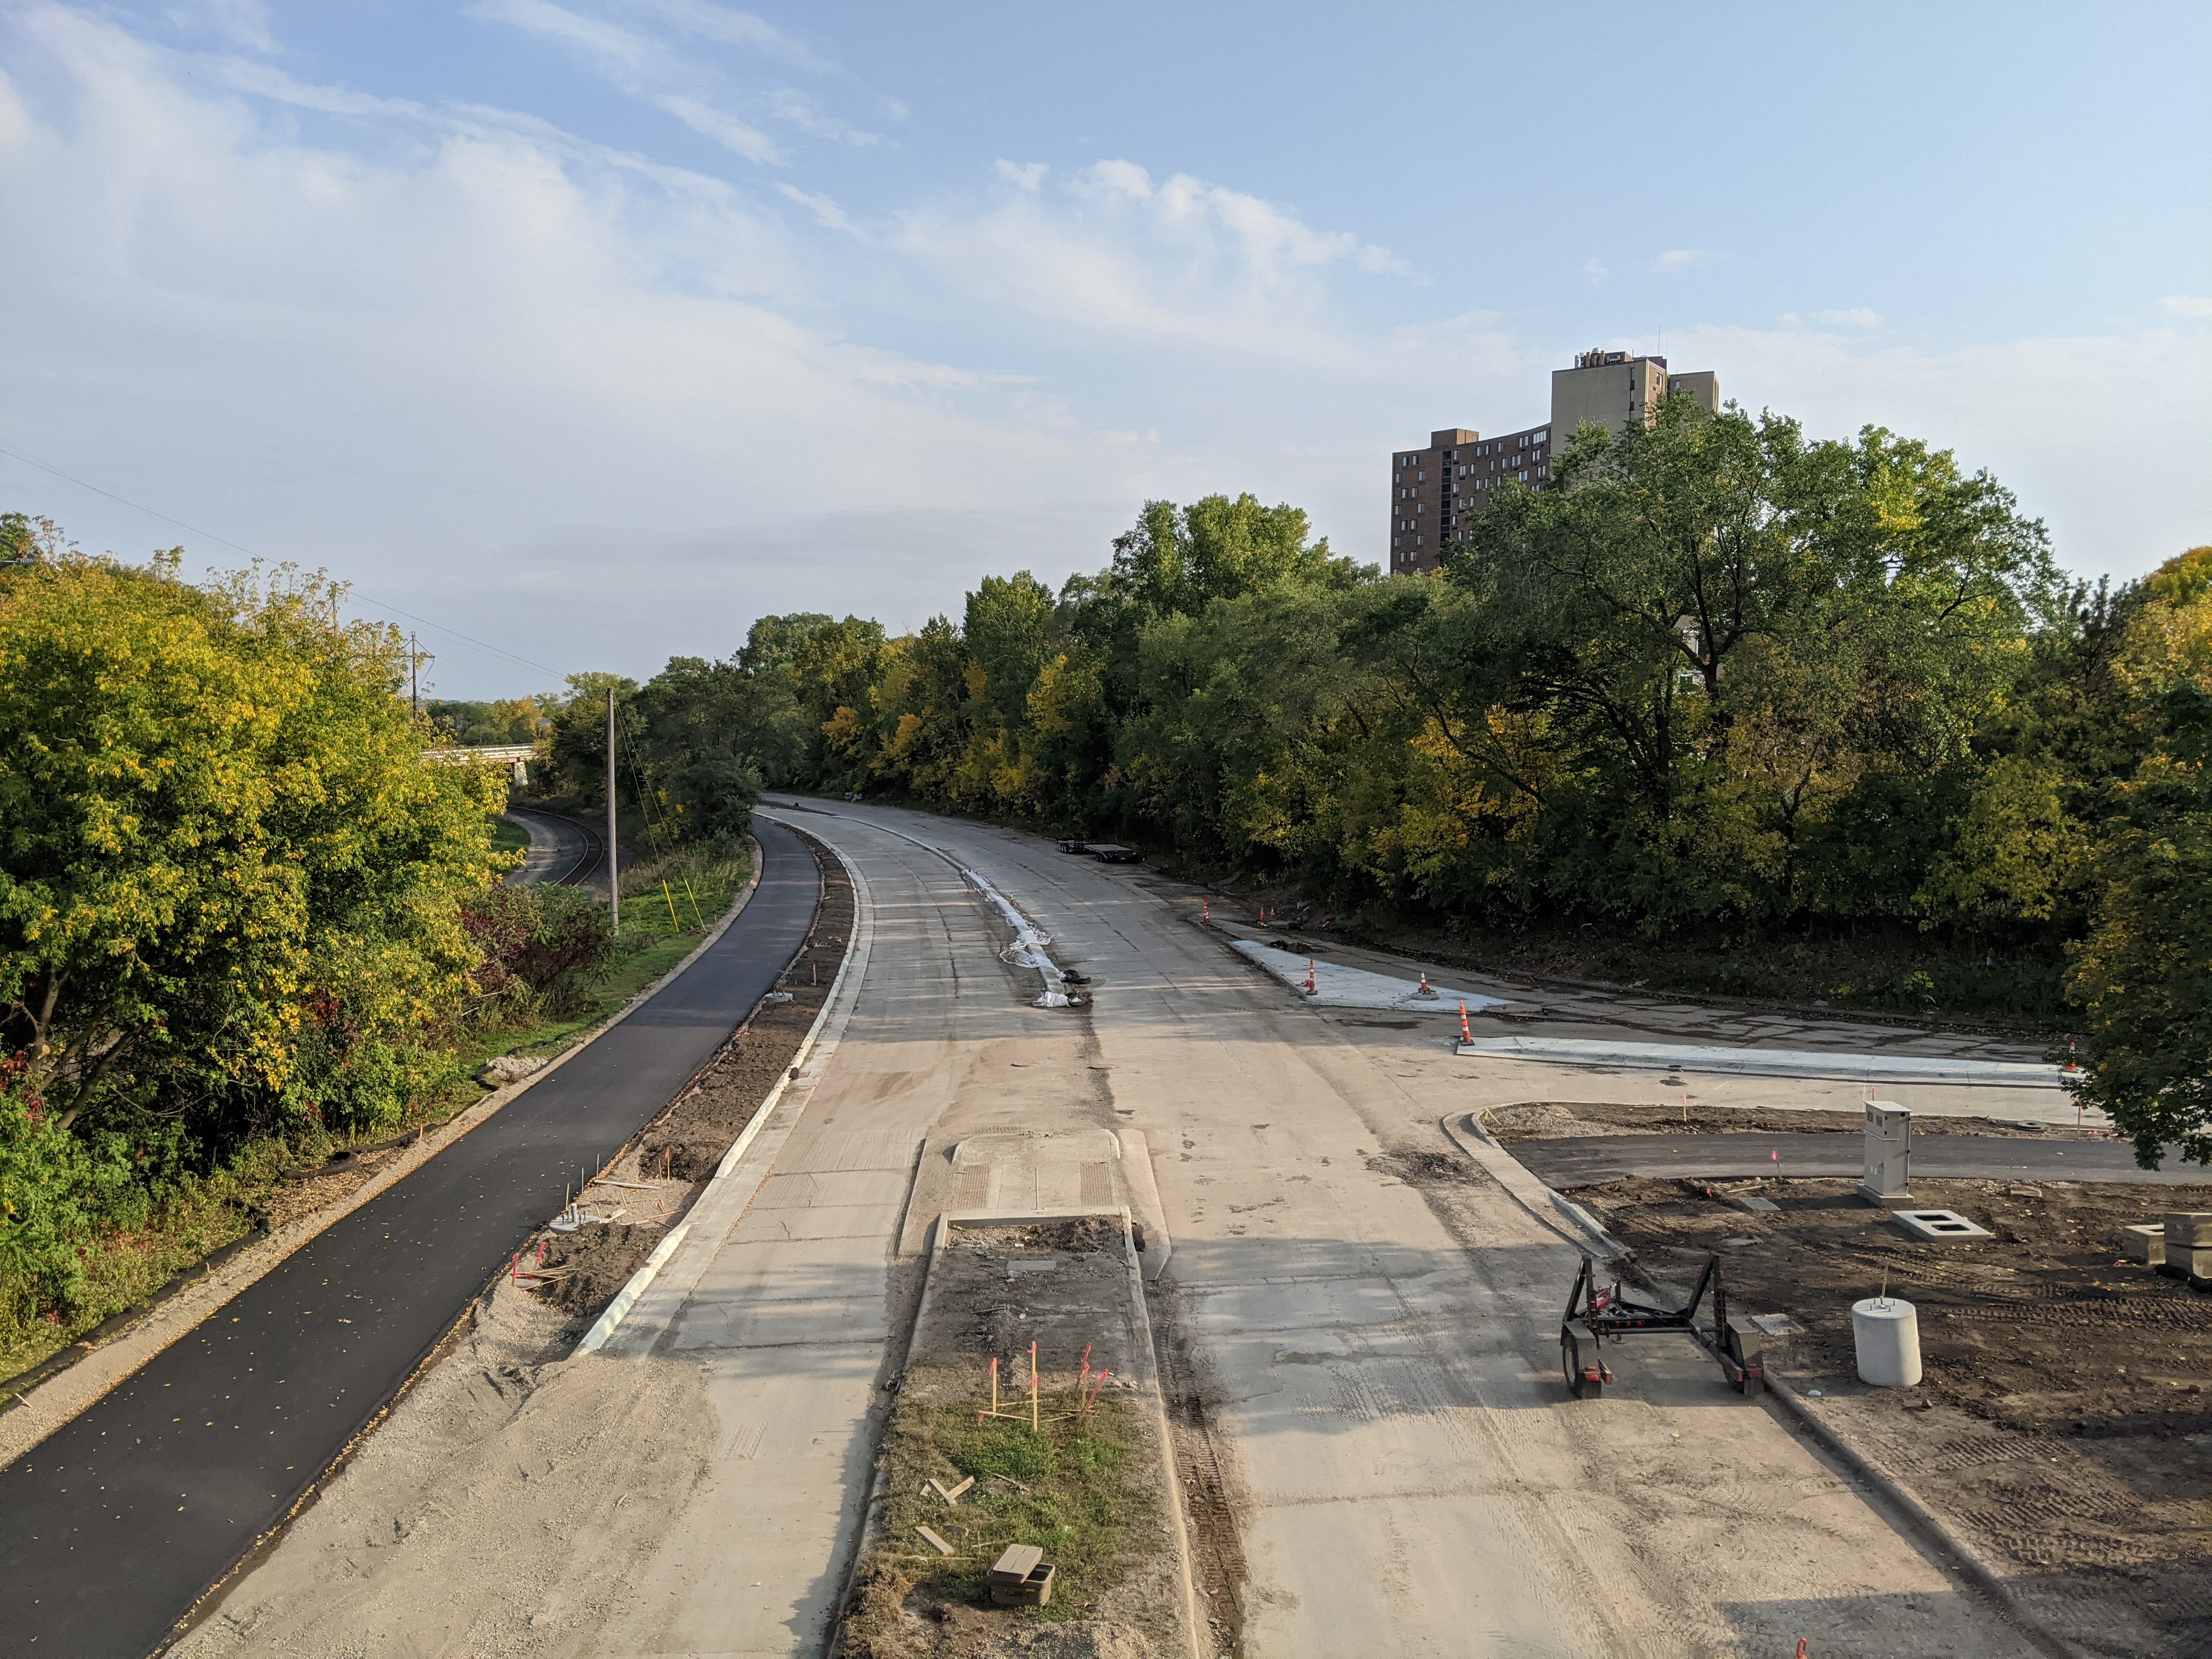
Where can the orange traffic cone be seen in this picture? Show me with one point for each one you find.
(1466, 1031)
(1311, 990)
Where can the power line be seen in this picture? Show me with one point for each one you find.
(368, 598)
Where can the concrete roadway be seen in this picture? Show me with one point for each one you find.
(112, 1527)
(1377, 1349)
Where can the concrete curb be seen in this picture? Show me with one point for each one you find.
(735, 1181)
(1145, 1190)
(1527, 1190)
(1919, 1519)
(626, 1299)
(1920, 1522)
(23, 1427)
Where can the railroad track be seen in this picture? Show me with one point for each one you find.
(578, 850)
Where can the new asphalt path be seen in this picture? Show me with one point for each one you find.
(115, 1525)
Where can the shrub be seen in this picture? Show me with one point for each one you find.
(56, 1191)
(541, 946)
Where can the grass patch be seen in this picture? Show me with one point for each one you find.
(1074, 1489)
(199, 1214)
(508, 837)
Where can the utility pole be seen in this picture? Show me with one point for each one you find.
(414, 675)
(614, 873)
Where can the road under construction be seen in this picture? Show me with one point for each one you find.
(1382, 1456)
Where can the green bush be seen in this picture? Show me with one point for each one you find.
(541, 946)
(57, 1192)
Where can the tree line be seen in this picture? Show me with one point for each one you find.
(237, 908)
(1718, 680)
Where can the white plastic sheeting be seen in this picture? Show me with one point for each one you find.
(1028, 949)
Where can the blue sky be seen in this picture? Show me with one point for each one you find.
(592, 329)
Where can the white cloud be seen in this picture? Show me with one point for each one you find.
(428, 370)
(245, 22)
(730, 27)
(827, 213)
(600, 408)
(1113, 252)
(1859, 318)
(1594, 269)
(726, 131)
(644, 69)
(2017, 408)
(2183, 304)
(790, 106)
(615, 48)
(1681, 259)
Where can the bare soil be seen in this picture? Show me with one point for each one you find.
(1090, 1490)
(2062, 1425)
(657, 1179)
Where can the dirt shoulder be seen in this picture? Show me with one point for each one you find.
(651, 1186)
(2062, 1426)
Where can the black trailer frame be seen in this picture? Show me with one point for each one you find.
(1595, 1316)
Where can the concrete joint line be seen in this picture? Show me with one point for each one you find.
(25, 1427)
(662, 1289)
(1921, 1522)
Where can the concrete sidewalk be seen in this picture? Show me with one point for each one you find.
(1587, 1159)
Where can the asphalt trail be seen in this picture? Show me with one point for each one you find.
(114, 1526)
(1584, 1160)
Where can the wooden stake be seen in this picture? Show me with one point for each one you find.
(1034, 1424)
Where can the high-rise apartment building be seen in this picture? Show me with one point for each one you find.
(1435, 490)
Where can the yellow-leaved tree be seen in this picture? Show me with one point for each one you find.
(230, 886)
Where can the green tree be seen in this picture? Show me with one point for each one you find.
(1727, 634)
(2144, 972)
(1180, 559)
(228, 883)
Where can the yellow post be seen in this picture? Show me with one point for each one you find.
(694, 897)
(670, 898)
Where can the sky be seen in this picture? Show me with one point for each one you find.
(576, 334)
